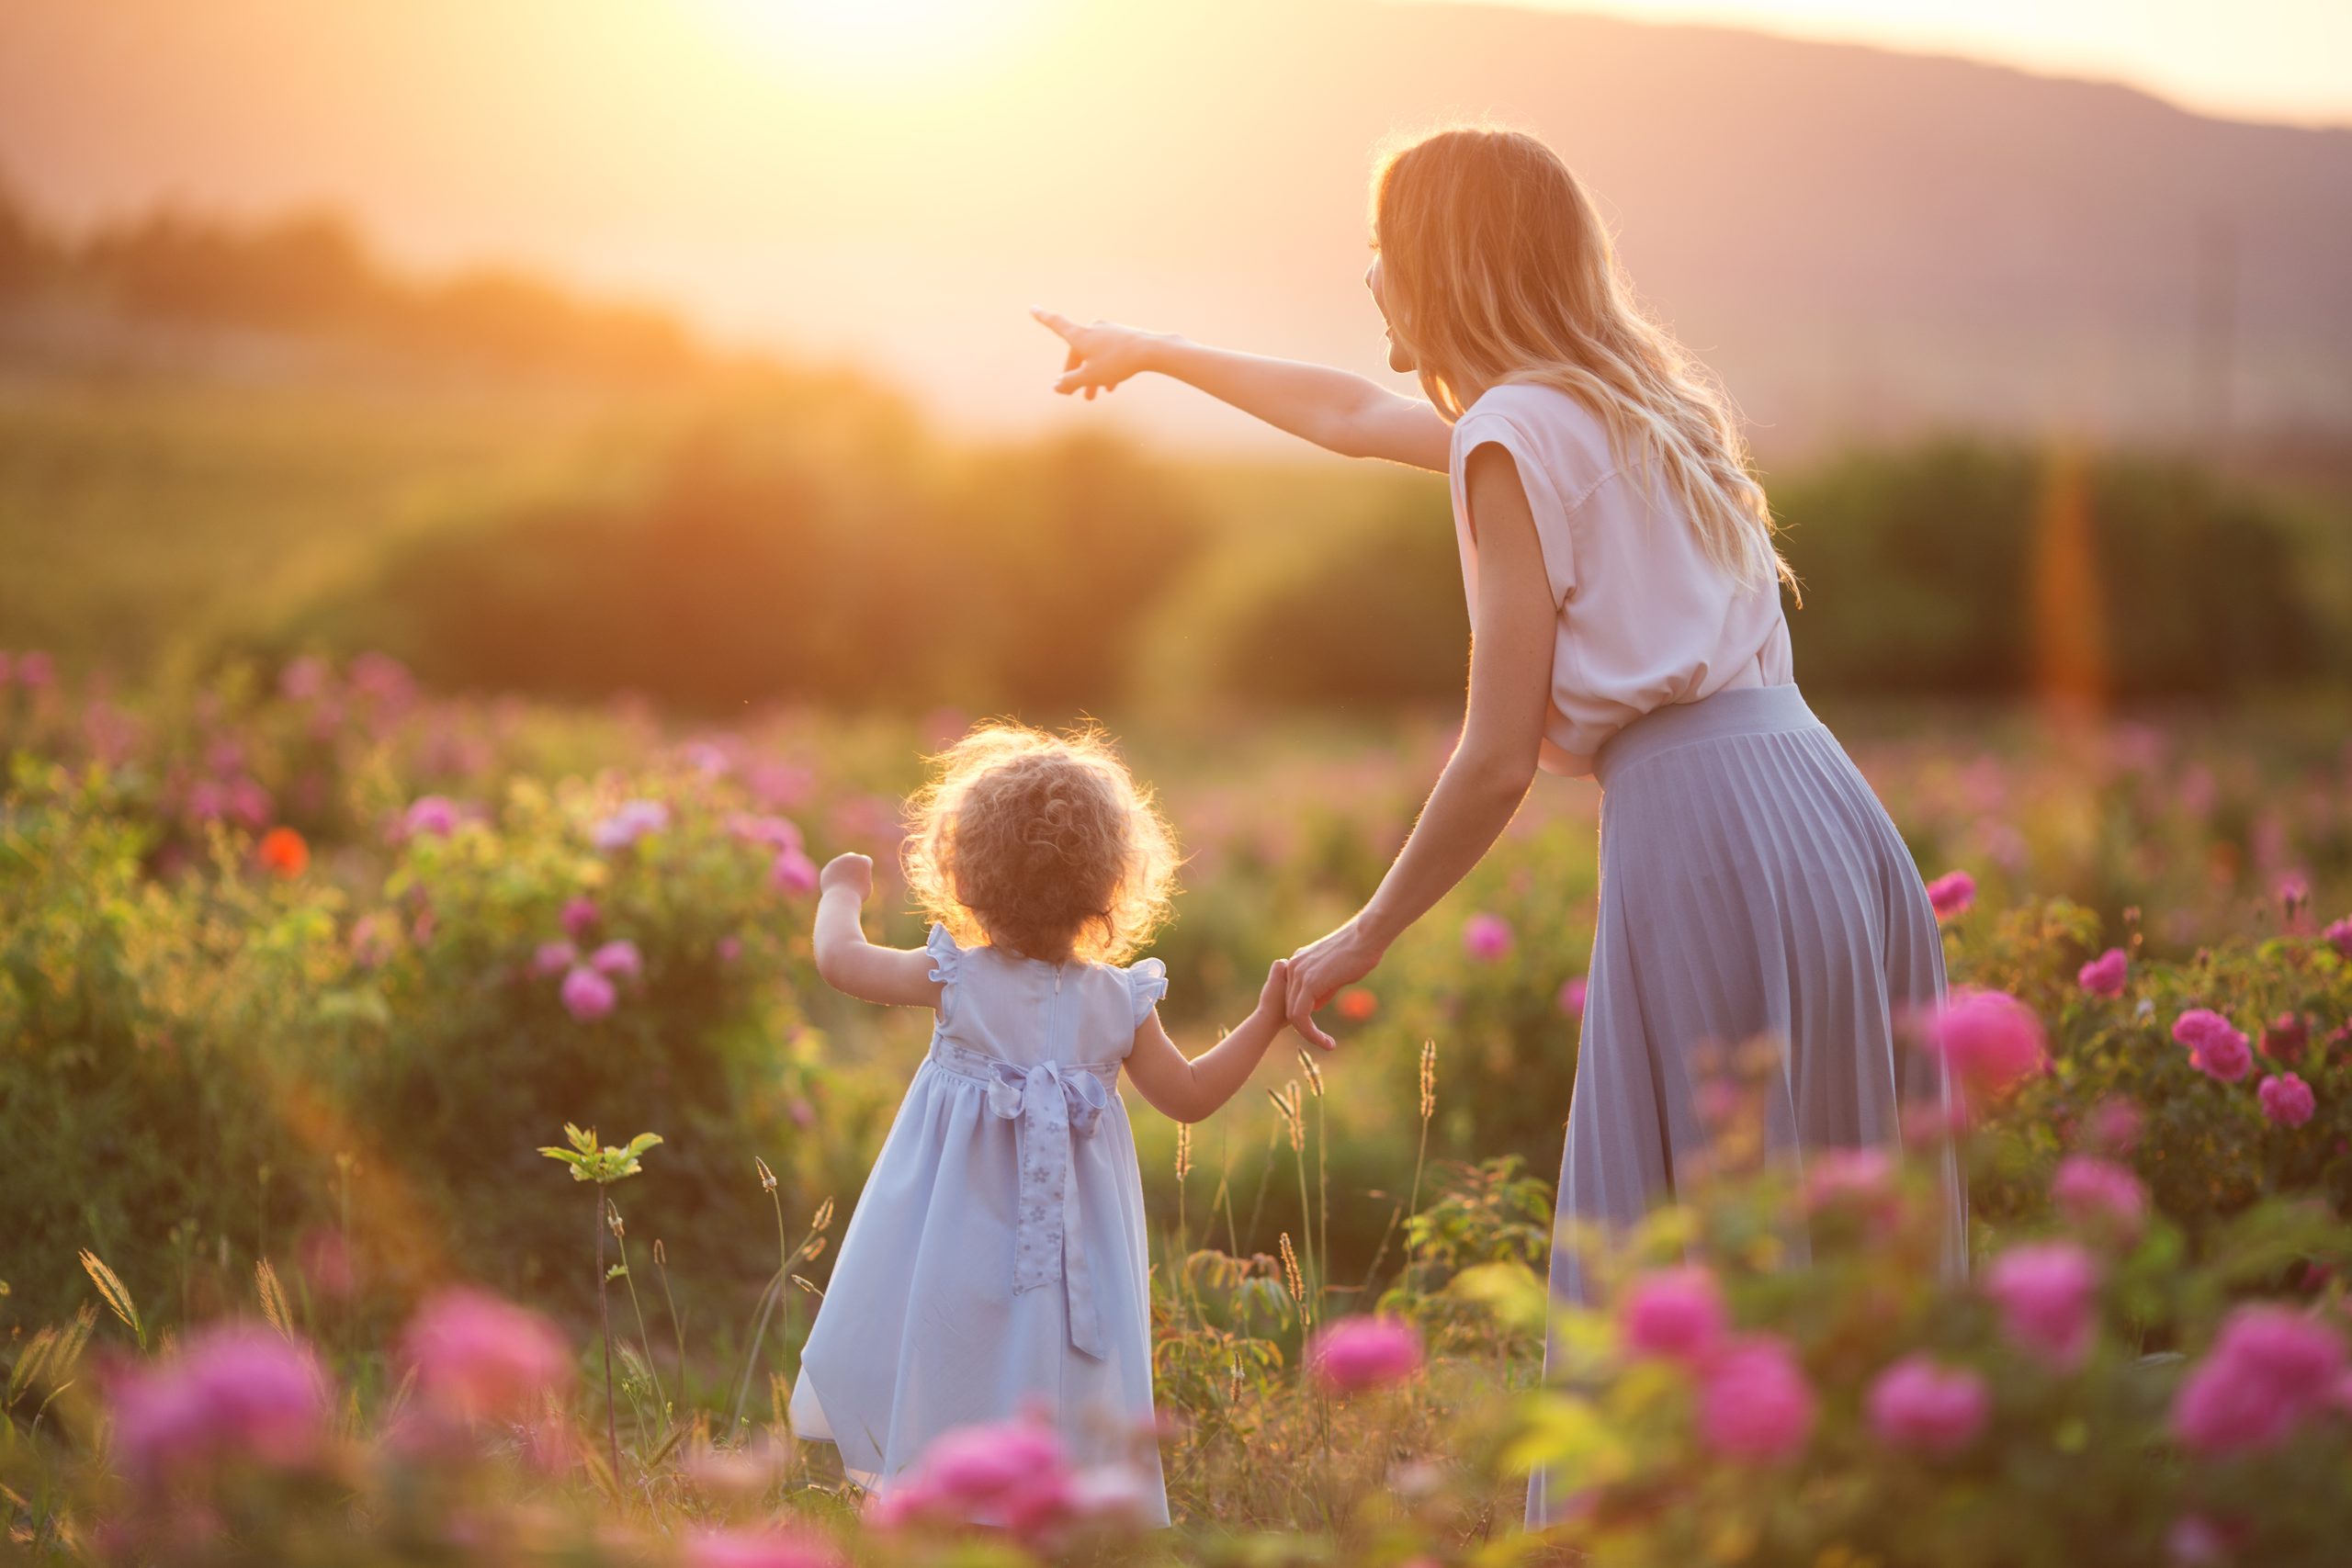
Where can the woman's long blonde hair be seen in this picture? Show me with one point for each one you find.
(1496, 268)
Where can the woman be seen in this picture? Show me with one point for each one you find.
(1625, 607)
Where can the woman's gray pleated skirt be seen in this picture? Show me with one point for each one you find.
(1752, 889)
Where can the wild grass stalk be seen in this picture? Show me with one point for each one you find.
(810, 1245)
(644, 1339)
(1420, 1157)
(1322, 1170)
(677, 1329)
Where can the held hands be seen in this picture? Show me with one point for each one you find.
(1319, 970)
(1100, 355)
(853, 871)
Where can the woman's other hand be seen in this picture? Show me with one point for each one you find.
(1100, 355)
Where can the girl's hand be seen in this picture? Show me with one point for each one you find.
(853, 871)
(1274, 1000)
(1319, 969)
(1101, 356)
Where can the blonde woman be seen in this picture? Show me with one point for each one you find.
(1625, 607)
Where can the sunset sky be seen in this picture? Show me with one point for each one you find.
(2289, 60)
(892, 183)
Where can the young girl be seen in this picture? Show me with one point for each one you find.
(996, 1259)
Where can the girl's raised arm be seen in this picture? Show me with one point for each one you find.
(1336, 410)
(895, 977)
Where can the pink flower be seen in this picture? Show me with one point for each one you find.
(2104, 975)
(617, 958)
(1572, 997)
(1485, 936)
(554, 958)
(768, 832)
(1358, 1353)
(978, 1465)
(634, 821)
(478, 1358)
(2114, 1125)
(431, 816)
(2097, 1194)
(792, 871)
(234, 1393)
(729, 948)
(2287, 1100)
(305, 679)
(2284, 1038)
(2339, 936)
(1990, 1040)
(587, 995)
(1951, 893)
(756, 1548)
(1916, 1405)
(2215, 1047)
(1674, 1313)
(35, 670)
(1753, 1402)
(2045, 1292)
(579, 917)
(1838, 1176)
(2270, 1367)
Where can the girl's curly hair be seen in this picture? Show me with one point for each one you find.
(1041, 844)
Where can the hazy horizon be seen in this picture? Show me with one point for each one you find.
(893, 185)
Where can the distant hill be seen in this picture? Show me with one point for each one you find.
(1859, 240)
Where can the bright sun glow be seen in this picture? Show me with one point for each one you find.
(867, 36)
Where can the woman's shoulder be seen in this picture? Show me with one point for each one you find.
(1543, 424)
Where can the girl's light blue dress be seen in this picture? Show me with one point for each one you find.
(996, 1261)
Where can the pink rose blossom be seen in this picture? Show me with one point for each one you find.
(1485, 936)
(588, 996)
(2104, 975)
(1753, 1402)
(36, 670)
(756, 1548)
(2215, 1047)
(1572, 997)
(2114, 1126)
(477, 1358)
(792, 871)
(2097, 1194)
(2045, 1292)
(1674, 1313)
(2285, 1038)
(554, 958)
(431, 816)
(1916, 1405)
(234, 1393)
(768, 832)
(1951, 893)
(1990, 1040)
(1360, 1353)
(1839, 1177)
(616, 959)
(2270, 1367)
(636, 819)
(2287, 1100)
(579, 917)
(2339, 936)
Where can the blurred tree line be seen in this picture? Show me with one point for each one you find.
(1053, 577)
(802, 538)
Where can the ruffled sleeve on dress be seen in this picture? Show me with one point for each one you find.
(1146, 983)
(945, 957)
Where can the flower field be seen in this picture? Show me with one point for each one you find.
(329, 1010)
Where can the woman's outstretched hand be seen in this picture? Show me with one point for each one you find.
(1100, 355)
(1319, 970)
